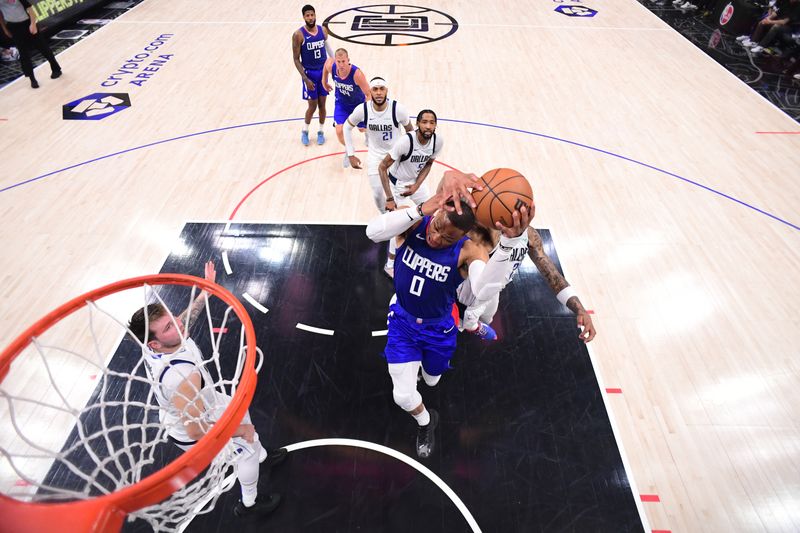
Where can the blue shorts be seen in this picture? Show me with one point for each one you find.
(319, 90)
(342, 111)
(433, 342)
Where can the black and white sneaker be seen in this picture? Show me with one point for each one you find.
(426, 438)
(262, 507)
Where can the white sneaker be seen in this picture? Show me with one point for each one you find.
(747, 43)
(757, 49)
(742, 38)
(796, 76)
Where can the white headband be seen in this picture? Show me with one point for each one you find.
(377, 82)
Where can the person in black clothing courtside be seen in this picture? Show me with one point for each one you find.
(19, 23)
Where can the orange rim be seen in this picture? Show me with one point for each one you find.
(106, 513)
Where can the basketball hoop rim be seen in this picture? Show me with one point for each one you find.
(105, 513)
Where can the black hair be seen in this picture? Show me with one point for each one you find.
(465, 221)
(308, 7)
(419, 115)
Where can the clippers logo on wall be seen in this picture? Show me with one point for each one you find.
(96, 106)
(576, 11)
(50, 13)
(726, 15)
(390, 25)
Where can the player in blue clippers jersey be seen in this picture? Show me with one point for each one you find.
(434, 257)
(351, 88)
(310, 50)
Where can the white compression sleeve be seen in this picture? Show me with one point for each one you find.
(348, 138)
(384, 227)
(491, 279)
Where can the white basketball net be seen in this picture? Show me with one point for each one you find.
(65, 436)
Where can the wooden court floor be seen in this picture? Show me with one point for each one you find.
(678, 225)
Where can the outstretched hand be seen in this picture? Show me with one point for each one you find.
(210, 272)
(520, 220)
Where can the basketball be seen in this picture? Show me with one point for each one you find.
(504, 191)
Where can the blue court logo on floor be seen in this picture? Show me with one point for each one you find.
(96, 106)
(576, 11)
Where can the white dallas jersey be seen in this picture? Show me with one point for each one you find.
(465, 294)
(410, 157)
(383, 128)
(168, 371)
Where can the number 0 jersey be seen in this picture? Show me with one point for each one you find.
(425, 278)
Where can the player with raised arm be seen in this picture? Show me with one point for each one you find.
(434, 257)
(189, 404)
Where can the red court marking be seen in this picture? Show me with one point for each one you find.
(217, 330)
(93, 376)
(3, 119)
(660, 531)
(650, 498)
(613, 391)
(281, 171)
(21, 483)
(778, 132)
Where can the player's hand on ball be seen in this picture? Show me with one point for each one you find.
(586, 326)
(354, 161)
(456, 184)
(521, 219)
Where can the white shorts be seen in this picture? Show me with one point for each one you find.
(422, 194)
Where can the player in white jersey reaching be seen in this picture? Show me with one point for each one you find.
(187, 397)
(479, 313)
(404, 169)
(383, 118)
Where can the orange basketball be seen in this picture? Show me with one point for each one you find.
(504, 191)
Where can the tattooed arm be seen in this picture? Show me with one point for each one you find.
(193, 311)
(557, 283)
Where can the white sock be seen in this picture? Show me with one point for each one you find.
(424, 418)
(305, 127)
(321, 126)
(247, 472)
